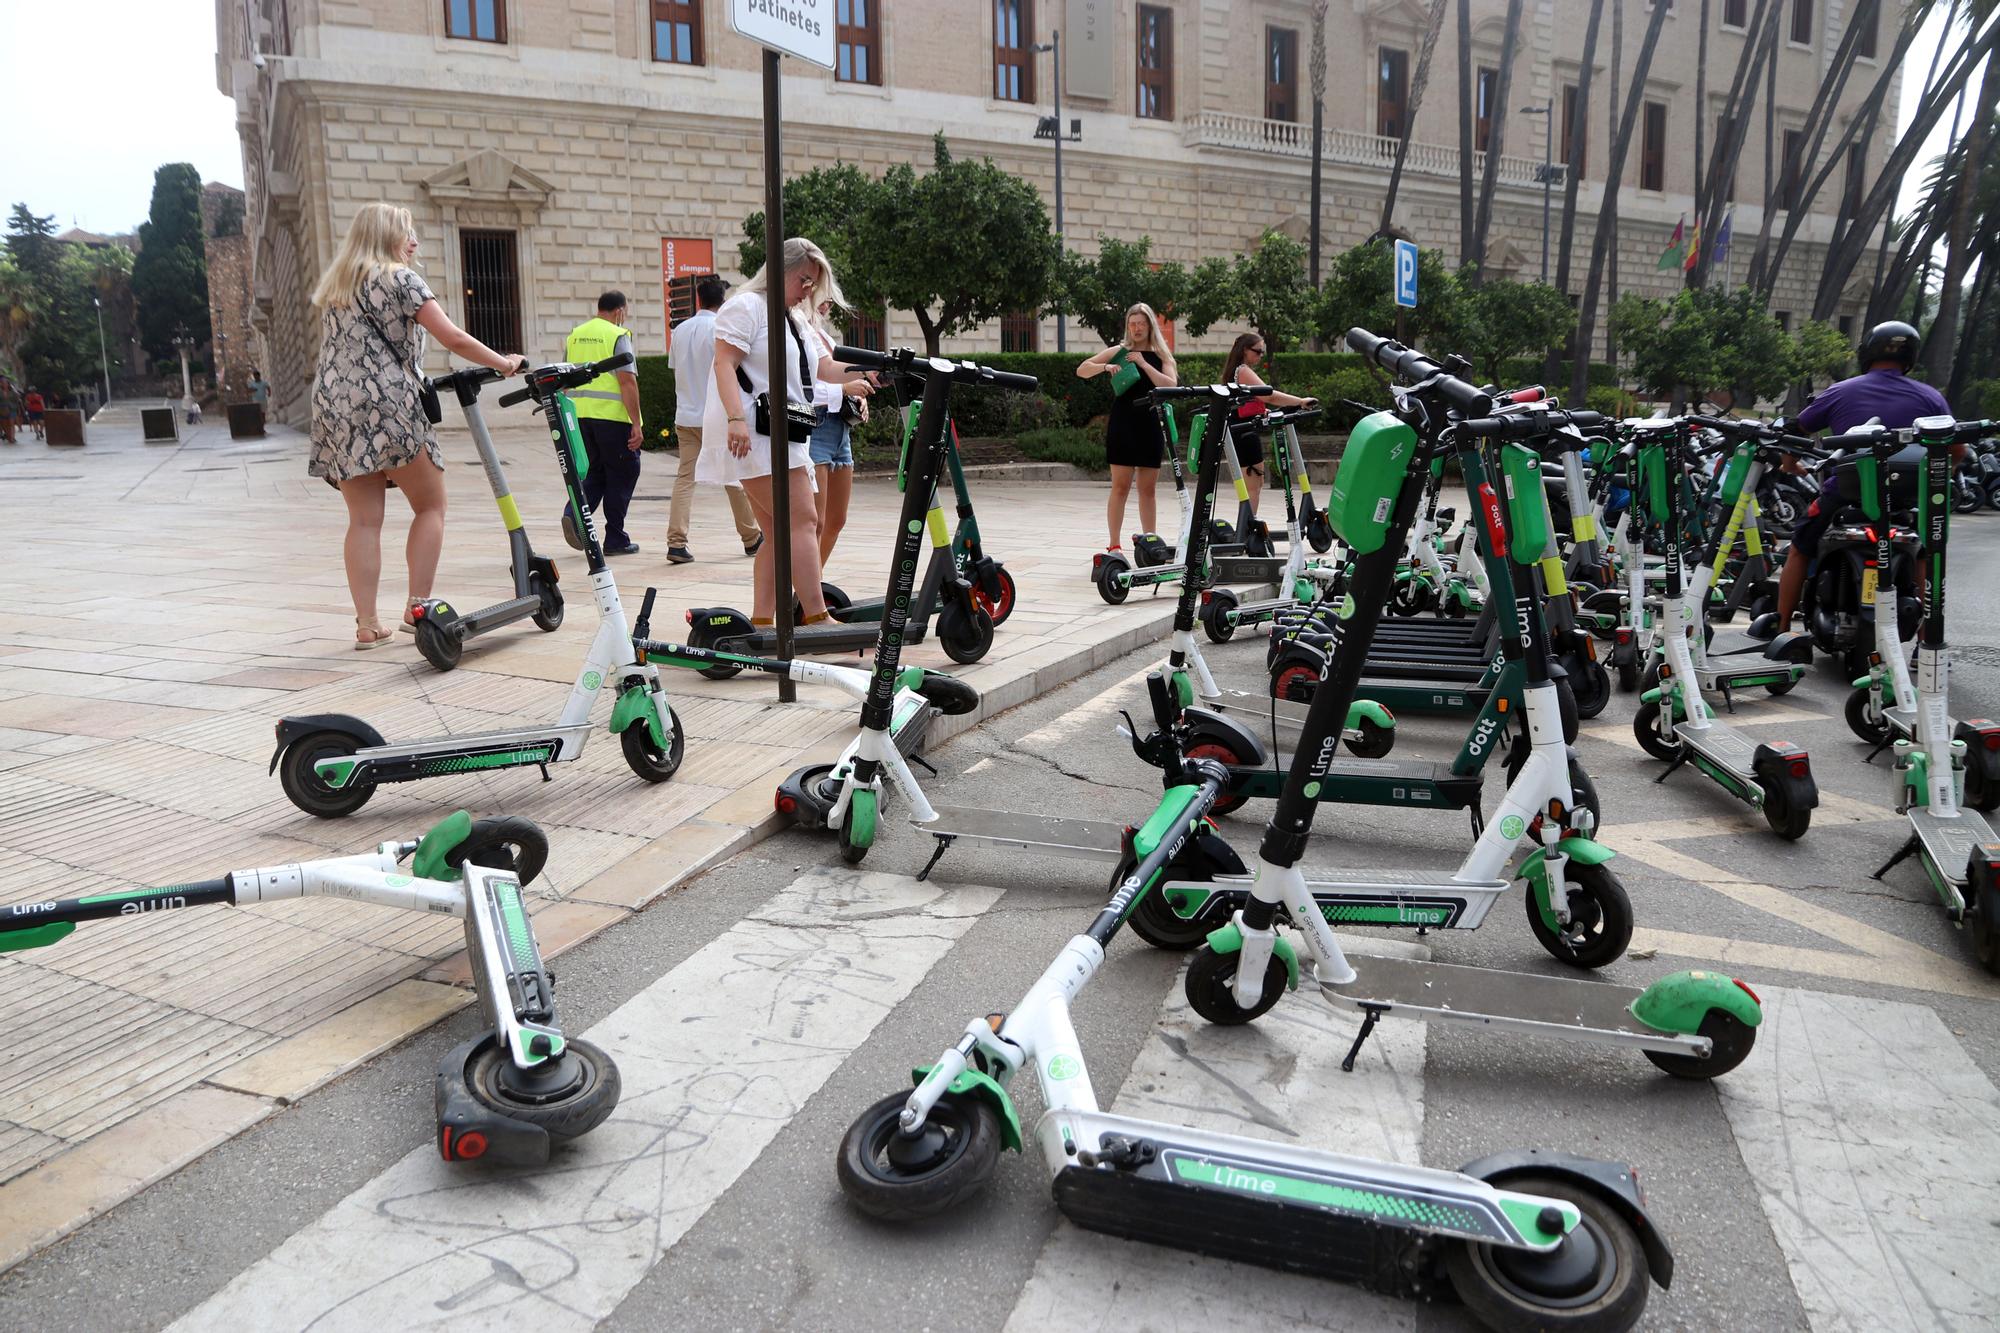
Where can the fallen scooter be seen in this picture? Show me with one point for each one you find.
(506, 1097)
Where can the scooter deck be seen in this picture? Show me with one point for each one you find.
(1568, 1008)
(1949, 841)
(1723, 746)
(1903, 721)
(1089, 839)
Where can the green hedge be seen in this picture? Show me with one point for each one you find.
(656, 399)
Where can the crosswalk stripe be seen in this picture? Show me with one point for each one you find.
(1871, 1137)
(1279, 1079)
(716, 1057)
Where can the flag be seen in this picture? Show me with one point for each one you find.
(1718, 250)
(1694, 247)
(1672, 256)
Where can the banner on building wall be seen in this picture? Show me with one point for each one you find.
(682, 260)
(1090, 34)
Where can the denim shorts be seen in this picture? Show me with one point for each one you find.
(831, 444)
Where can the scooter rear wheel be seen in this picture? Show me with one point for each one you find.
(581, 1097)
(550, 618)
(1210, 977)
(1596, 1278)
(1788, 817)
(1731, 1039)
(306, 789)
(1154, 919)
(646, 758)
(1590, 683)
(1600, 918)
(505, 842)
(1982, 777)
(900, 1179)
(1216, 609)
(440, 647)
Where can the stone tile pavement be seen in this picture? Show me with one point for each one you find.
(165, 604)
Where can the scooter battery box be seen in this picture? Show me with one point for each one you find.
(1369, 480)
(1150, 549)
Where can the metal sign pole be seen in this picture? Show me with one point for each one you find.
(780, 344)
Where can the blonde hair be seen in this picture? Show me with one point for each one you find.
(1156, 340)
(375, 241)
(798, 250)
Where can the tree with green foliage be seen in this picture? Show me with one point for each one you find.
(962, 245)
(47, 300)
(1820, 354)
(1506, 319)
(1097, 292)
(1266, 289)
(1361, 291)
(828, 206)
(1703, 342)
(170, 276)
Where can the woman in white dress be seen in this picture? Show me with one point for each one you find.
(742, 372)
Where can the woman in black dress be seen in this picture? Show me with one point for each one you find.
(1246, 358)
(1134, 445)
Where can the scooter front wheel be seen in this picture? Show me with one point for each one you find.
(571, 1097)
(307, 789)
(1154, 919)
(1982, 776)
(1372, 740)
(857, 826)
(504, 842)
(1596, 1278)
(1864, 719)
(1590, 683)
(1109, 571)
(1217, 610)
(965, 638)
(646, 758)
(1730, 1039)
(999, 607)
(1646, 730)
(905, 1178)
(1211, 977)
(1600, 918)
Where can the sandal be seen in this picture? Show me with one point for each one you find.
(409, 625)
(369, 634)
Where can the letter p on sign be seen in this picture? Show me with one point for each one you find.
(1406, 274)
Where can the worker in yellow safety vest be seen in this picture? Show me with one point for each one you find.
(607, 411)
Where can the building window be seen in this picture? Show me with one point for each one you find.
(1785, 320)
(1790, 172)
(866, 331)
(1736, 14)
(1864, 38)
(1020, 333)
(1723, 129)
(677, 31)
(1487, 82)
(476, 20)
(1568, 127)
(492, 288)
(1013, 62)
(1847, 327)
(1653, 151)
(1392, 92)
(858, 33)
(1281, 74)
(1802, 22)
(1156, 62)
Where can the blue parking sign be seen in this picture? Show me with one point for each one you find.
(1406, 274)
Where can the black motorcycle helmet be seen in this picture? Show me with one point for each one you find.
(1890, 341)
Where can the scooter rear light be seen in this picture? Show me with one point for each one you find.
(470, 1145)
(786, 805)
(689, 615)
(1800, 768)
(1207, 597)
(1624, 637)
(1747, 991)
(1992, 739)
(417, 610)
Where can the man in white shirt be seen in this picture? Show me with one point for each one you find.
(691, 352)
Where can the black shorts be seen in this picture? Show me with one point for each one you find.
(1805, 537)
(1248, 437)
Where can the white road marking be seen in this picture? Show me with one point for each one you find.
(1871, 1138)
(1105, 703)
(716, 1057)
(1277, 1079)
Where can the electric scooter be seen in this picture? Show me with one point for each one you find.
(1522, 1237)
(331, 763)
(441, 631)
(1675, 724)
(506, 1097)
(1693, 1025)
(1231, 554)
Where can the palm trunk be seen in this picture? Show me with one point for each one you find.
(1417, 87)
(1578, 137)
(1621, 143)
(1978, 318)
(1611, 187)
(1466, 93)
(1939, 350)
(1496, 137)
(1770, 201)
(1758, 55)
(1700, 135)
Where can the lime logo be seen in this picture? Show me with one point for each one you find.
(1937, 498)
(720, 620)
(1346, 610)
(1065, 1067)
(591, 680)
(397, 881)
(1312, 791)
(916, 525)
(1510, 827)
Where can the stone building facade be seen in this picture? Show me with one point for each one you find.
(552, 149)
(235, 344)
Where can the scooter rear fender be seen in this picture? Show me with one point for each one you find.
(292, 728)
(1617, 1185)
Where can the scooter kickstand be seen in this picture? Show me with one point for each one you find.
(545, 772)
(1903, 853)
(1674, 763)
(924, 764)
(1373, 1014)
(944, 841)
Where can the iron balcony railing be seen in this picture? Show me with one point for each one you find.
(1254, 134)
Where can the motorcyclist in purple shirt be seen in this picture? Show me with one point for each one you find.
(1883, 392)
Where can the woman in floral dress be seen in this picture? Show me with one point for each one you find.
(369, 430)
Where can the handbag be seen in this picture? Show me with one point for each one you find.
(1125, 376)
(799, 420)
(427, 394)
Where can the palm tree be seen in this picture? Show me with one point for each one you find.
(1756, 59)
(1466, 94)
(1496, 137)
(1573, 153)
(1422, 81)
(1939, 350)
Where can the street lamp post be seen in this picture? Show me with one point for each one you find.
(184, 343)
(1051, 128)
(103, 356)
(1547, 111)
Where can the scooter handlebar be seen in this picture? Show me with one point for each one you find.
(1170, 392)
(1409, 364)
(1528, 425)
(906, 361)
(545, 380)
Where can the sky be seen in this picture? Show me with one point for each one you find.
(85, 150)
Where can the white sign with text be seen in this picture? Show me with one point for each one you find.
(802, 28)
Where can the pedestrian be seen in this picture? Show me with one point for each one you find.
(35, 406)
(369, 428)
(7, 402)
(1134, 444)
(836, 409)
(691, 352)
(1882, 392)
(741, 379)
(260, 392)
(1246, 358)
(607, 412)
